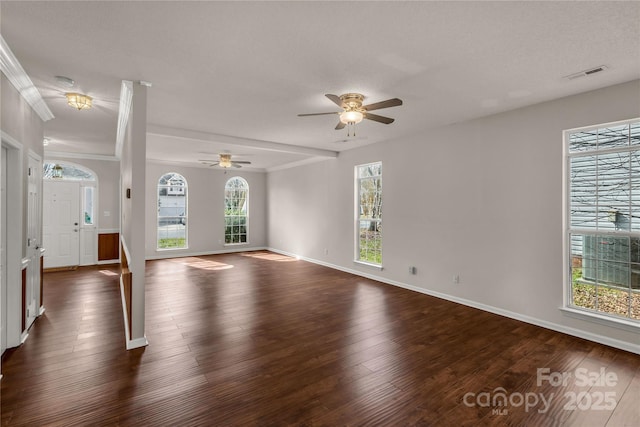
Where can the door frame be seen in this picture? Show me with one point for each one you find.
(87, 234)
(15, 184)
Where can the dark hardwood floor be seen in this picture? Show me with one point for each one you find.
(261, 339)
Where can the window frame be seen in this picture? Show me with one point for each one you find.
(568, 306)
(357, 217)
(245, 216)
(185, 216)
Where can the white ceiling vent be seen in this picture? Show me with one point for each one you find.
(585, 73)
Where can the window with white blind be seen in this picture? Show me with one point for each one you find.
(369, 213)
(603, 219)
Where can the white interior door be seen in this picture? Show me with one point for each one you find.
(34, 215)
(61, 223)
(3, 251)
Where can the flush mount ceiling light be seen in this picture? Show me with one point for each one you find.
(79, 101)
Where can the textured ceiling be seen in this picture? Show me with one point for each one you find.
(245, 69)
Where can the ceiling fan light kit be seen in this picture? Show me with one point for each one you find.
(354, 112)
(351, 117)
(224, 161)
(79, 101)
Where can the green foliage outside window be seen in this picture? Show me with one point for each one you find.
(236, 211)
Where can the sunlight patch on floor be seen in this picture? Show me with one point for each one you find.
(269, 256)
(109, 273)
(209, 265)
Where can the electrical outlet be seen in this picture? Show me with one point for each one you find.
(326, 251)
(456, 279)
(412, 270)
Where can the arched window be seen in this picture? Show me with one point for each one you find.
(172, 211)
(67, 171)
(236, 211)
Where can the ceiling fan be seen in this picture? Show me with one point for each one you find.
(224, 161)
(353, 110)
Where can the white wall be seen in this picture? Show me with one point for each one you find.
(205, 198)
(482, 199)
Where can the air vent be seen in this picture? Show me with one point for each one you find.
(586, 72)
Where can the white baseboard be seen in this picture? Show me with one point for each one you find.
(135, 343)
(42, 310)
(180, 254)
(108, 261)
(601, 339)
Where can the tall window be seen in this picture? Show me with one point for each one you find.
(87, 205)
(172, 211)
(236, 211)
(369, 213)
(603, 224)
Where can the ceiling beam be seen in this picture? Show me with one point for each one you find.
(241, 142)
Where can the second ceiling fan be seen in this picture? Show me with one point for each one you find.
(224, 161)
(353, 110)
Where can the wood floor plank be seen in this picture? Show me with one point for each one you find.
(261, 339)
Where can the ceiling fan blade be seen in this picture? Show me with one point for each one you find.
(235, 165)
(394, 102)
(336, 100)
(340, 125)
(377, 118)
(317, 114)
(241, 162)
(214, 164)
(207, 160)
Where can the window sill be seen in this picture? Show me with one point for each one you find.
(170, 249)
(236, 244)
(627, 325)
(368, 264)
